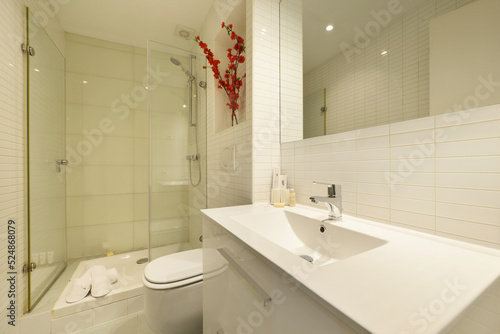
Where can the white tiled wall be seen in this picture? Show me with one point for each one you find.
(439, 175)
(12, 142)
(264, 95)
(389, 88)
(291, 77)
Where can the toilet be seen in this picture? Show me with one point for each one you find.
(173, 292)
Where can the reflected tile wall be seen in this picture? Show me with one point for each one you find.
(367, 88)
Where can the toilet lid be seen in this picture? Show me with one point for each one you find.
(175, 267)
(179, 266)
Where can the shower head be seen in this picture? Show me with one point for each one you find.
(177, 62)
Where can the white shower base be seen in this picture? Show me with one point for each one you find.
(125, 297)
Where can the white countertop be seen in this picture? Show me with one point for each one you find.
(415, 283)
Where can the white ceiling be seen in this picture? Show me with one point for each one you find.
(344, 15)
(134, 22)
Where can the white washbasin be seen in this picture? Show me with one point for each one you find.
(315, 241)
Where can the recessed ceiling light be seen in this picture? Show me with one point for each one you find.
(329, 27)
(184, 106)
(36, 70)
(85, 82)
(384, 52)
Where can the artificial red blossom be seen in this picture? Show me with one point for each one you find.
(229, 81)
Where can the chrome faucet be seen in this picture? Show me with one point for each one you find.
(333, 201)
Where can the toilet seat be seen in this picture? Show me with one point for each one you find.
(180, 269)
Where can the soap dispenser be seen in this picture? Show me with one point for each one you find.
(292, 198)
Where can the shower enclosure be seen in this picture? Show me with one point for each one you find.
(177, 134)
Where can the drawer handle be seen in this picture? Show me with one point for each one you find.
(265, 297)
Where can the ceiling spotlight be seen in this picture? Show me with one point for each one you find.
(329, 27)
(85, 82)
(36, 70)
(384, 53)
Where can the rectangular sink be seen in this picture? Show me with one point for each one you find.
(315, 241)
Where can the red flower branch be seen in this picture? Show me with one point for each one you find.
(229, 81)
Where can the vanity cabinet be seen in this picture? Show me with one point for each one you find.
(252, 297)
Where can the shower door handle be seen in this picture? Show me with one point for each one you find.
(60, 162)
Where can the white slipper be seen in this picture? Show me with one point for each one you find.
(113, 275)
(80, 288)
(101, 283)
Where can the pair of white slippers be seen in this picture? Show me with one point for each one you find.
(97, 280)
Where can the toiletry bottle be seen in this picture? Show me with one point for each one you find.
(291, 200)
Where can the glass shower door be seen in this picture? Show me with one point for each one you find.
(46, 161)
(177, 99)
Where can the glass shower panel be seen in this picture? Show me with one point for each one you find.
(46, 160)
(177, 146)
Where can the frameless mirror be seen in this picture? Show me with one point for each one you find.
(347, 65)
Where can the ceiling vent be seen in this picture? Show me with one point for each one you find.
(184, 32)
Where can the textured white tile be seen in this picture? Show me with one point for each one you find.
(373, 212)
(375, 131)
(412, 165)
(416, 192)
(374, 200)
(413, 125)
(109, 312)
(468, 181)
(340, 146)
(468, 148)
(412, 138)
(135, 304)
(469, 197)
(413, 205)
(373, 166)
(469, 116)
(468, 212)
(414, 219)
(72, 323)
(468, 132)
(411, 179)
(488, 233)
(375, 142)
(468, 165)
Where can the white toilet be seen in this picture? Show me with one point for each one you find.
(173, 292)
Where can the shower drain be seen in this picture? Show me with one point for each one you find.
(143, 260)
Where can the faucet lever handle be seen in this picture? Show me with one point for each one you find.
(333, 189)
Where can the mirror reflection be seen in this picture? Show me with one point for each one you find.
(347, 65)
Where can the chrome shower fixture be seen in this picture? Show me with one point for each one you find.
(177, 62)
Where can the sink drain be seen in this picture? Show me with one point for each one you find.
(307, 258)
